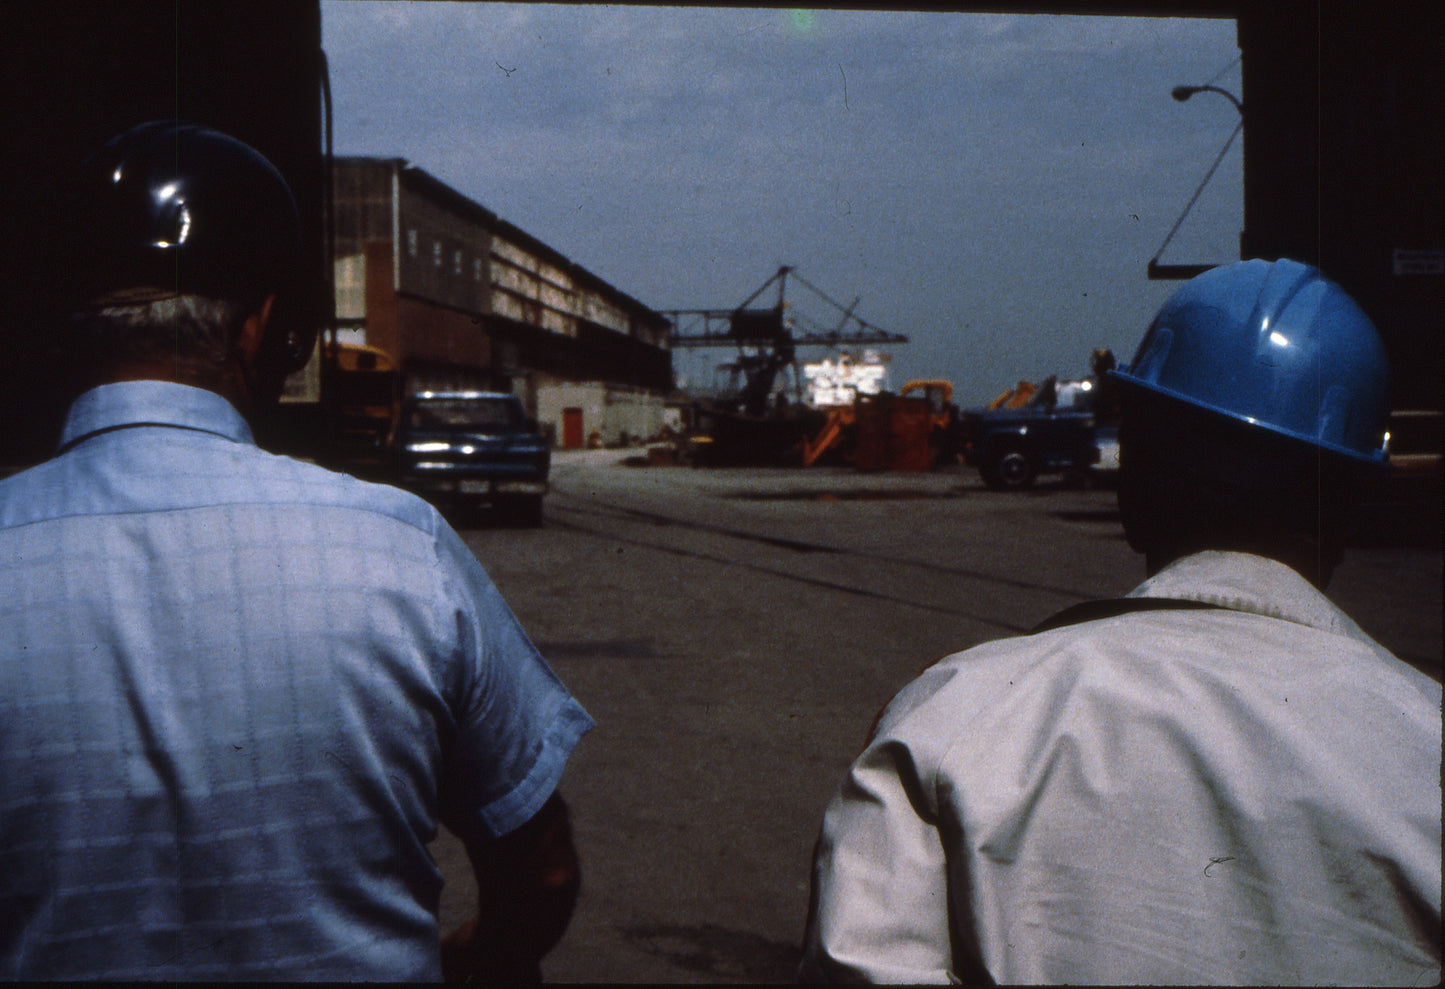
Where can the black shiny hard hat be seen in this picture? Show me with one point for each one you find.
(173, 208)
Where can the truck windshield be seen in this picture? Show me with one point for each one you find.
(462, 413)
(1076, 396)
(1065, 396)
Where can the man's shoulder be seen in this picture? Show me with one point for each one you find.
(211, 474)
(1149, 654)
(287, 480)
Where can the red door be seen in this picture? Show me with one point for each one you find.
(572, 429)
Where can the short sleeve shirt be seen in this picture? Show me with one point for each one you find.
(237, 694)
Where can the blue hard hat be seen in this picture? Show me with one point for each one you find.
(1276, 345)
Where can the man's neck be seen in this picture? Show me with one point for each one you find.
(226, 382)
(1310, 558)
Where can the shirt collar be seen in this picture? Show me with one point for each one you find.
(152, 403)
(1253, 584)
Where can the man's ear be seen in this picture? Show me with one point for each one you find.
(253, 330)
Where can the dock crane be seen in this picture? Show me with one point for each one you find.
(767, 339)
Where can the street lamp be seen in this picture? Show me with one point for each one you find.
(1182, 93)
(1155, 270)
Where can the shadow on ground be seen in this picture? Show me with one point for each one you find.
(707, 949)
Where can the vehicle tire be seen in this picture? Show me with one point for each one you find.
(1011, 470)
(524, 511)
(531, 514)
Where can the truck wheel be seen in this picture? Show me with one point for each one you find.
(531, 513)
(524, 511)
(1011, 470)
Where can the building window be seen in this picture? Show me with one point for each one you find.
(436, 253)
(411, 243)
(456, 262)
(476, 269)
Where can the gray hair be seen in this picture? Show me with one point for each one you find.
(194, 335)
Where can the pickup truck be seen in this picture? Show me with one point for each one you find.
(473, 447)
(1057, 432)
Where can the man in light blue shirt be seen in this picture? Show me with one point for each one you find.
(239, 692)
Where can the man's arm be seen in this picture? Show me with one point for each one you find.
(527, 883)
(879, 910)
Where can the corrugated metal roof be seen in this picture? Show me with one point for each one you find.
(423, 183)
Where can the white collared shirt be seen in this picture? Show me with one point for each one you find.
(1237, 796)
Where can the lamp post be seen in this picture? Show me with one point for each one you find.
(1182, 93)
(1157, 271)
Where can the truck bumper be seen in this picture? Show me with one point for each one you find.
(455, 483)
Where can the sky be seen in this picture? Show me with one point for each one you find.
(992, 186)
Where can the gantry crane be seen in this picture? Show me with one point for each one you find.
(767, 339)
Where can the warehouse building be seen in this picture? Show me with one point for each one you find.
(450, 295)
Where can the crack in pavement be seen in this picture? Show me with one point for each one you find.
(831, 585)
(668, 520)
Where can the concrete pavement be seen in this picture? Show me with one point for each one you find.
(734, 631)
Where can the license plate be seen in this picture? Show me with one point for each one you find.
(521, 487)
(473, 487)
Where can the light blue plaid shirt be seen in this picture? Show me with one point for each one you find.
(237, 692)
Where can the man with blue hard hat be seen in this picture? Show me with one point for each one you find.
(1218, 778)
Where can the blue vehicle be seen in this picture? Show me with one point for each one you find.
(1057, 432)
(473, 447)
